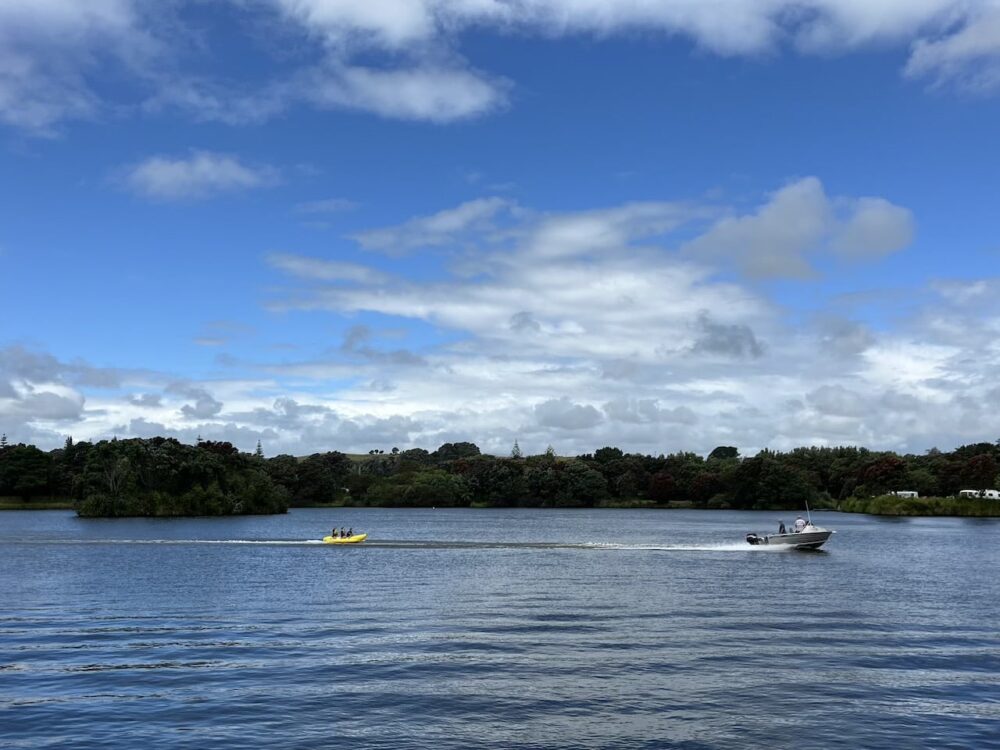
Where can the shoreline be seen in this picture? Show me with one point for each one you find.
(913, 508)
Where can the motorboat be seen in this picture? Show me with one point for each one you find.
(357, 538)
(810, 537)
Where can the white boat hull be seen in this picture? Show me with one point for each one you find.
(812, 537)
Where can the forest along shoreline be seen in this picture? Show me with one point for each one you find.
(164, 477)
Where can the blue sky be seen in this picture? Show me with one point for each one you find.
(660, 225)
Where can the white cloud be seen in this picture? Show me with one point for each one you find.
(201, 175)
(441, 228)
(968, 57)
(723, 26)
(582, 327)
(325, 270)
(400, 58)
(422, 92)
(593, 231)
(952, 40)
(47, 47)
(390, 23)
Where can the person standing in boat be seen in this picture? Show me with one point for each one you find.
(781, 527)
(800, 524)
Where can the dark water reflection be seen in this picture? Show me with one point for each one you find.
(501, 629)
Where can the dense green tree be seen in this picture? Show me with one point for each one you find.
(284, 470)
(607, 454)
(980, 471)
(724, 452)
(885, 473)
(321, 478)
(491, 480)
(662, 488)
(453, 451)
(163, 477)
(25, 471)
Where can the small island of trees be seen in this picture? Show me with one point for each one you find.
(163, 477)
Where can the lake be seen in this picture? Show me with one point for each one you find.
(497, 629)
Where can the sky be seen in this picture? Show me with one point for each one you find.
(661, 225)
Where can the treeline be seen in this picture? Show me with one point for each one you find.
(155, 477)
(160, 476)
(457, 474)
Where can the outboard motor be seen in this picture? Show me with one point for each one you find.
(754, 539)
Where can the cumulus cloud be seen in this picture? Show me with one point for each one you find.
(643, 332)
(41, 395)
(773, 241)
(607, 283)
(21, 364)
(204, 406)
(203, 174)
(614, 335)
(47, 406)
(873, 227)
(798, 223)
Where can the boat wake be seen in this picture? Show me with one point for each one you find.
(269, 542)
(723, 547)
(449, 544)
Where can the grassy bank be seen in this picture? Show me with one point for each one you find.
(890, 505)
(13, 503)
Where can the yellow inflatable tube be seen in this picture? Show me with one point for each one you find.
(345, 539)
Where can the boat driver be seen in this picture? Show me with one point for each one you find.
(781, 527)
(800, 524)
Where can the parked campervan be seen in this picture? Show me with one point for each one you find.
(984, 494)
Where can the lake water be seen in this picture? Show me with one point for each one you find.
(497, 629)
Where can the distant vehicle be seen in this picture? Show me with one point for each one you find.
(905, 493)
(983, 494)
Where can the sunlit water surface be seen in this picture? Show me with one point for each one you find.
(497, 629)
